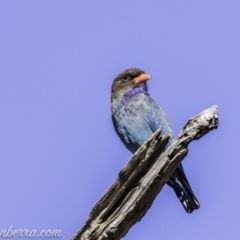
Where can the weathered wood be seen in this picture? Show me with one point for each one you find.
(138, 184)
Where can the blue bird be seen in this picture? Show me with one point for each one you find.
(136, 116)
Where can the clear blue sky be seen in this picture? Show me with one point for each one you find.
(58, 150)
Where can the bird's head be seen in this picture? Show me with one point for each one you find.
(129, 80)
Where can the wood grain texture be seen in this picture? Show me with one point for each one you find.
(138, 184)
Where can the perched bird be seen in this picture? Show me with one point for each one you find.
(136, 116)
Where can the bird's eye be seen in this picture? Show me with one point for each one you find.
(126, 77)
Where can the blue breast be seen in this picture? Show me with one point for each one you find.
(136, 117)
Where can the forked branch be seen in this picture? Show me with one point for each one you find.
(138, 184)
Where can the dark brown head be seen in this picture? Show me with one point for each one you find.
(128, 80)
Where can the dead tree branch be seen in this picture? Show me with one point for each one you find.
(138, 184)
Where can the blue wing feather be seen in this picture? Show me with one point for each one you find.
(134, 122)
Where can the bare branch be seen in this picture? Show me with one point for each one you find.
(138, 184)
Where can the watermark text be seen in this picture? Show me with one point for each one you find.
(25, 232)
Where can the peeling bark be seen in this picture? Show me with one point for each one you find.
(138, 184)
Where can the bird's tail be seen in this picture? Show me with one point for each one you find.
(180, 185)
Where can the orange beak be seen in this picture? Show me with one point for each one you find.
(142, 78)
